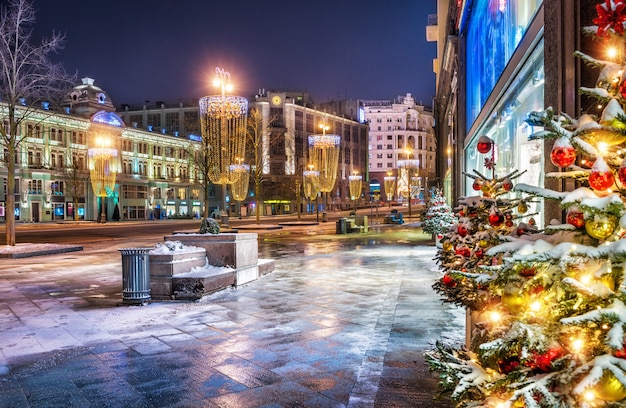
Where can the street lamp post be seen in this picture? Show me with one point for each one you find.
(223, 121)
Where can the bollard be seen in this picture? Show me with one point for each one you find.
(135, 275)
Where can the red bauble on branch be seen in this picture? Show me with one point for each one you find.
(448, 281)
(507, 184)
(477, 185)
(496, 218)
(621, 173)
(601, 176)
(563, 153)
(484, 144)
(575, 217)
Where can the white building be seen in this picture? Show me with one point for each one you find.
(399, 130)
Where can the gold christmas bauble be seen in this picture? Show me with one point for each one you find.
(446, 246)
(522, 208)
(609, 388)
(513, 298)
(601, 226)
(483, 243)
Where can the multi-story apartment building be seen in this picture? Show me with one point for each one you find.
(155, 169)
(289, 119)
(400, 130)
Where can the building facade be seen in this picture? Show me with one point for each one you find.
(497, 62)
(289, 118)
(400, 130)
(155, 172)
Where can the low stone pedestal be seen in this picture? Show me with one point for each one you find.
(228, 249)
(164, 266)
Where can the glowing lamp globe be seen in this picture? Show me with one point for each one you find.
(563, 153)
(484, 144)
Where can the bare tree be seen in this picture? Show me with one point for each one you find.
(257, 142)
(27, 78)
(74, 176)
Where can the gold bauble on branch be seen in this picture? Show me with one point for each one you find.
(609, 388)
(513, 297)
(601, 226)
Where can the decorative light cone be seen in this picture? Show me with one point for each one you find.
(223, 126)
(406, 179)
(311, 183)
(390, 186)
(102, 170)
(241, 181)
(355, 183)
(324, 154)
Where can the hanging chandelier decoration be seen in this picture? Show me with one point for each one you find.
(311, 183)
(355, 183)
(241, 178)
(407, 177)
(390, 186)
(223, 125)
(324, 154)
(102, 169)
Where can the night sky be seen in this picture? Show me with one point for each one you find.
(157, 50)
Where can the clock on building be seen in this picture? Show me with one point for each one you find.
(276, 100)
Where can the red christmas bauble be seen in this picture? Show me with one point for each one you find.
(527, 271)
(507, 184)
(621, 353)
(464, 251)
(479, 253)
(622, 89)
(477, 185)
(484, 144)
(496, 218)
(601, 180)
(506, 365)
(543, 361)
(509, 223)
(621, 173)
(462, 230)
(563, 155)
(575, 217)
(448, 281)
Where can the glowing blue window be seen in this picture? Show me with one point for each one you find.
(108, 118)
(493, 33)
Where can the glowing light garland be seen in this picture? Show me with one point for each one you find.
(324, 154)
(406, 178)
(102, 170)
(355, 183)
(311, 183)
(223, 125)
(240, 185)
(390, 186)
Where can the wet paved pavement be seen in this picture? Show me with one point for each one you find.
(341, 322)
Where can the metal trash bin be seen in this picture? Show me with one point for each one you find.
(135, 275)
(342, 227)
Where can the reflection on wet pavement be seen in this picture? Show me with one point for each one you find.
(341, 322)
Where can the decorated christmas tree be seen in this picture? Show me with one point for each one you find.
(553, 313)
(482, 222)
(439, 216)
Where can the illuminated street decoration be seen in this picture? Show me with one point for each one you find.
(407, 181)
(223, 124)
(355, 183)
(242, 177)
(324, 154)
(311, 184)
(390, 186)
